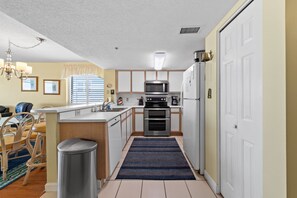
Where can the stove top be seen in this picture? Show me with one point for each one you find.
(156, 102)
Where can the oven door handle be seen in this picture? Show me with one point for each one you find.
(156, 109)
(156, 118)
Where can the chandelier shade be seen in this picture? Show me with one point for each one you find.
(19, 69)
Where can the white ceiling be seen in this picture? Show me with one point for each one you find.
(92, 29)
(20, 34)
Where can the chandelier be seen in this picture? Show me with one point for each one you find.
(19, 69)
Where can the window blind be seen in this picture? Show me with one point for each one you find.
(86, 89)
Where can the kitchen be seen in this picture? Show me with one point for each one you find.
(156, 118)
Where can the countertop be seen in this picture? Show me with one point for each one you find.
(96, 116)
(88, 117)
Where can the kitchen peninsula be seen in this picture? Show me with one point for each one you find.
(110, 129)
(79, 121)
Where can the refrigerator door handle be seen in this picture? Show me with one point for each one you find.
(182, 94)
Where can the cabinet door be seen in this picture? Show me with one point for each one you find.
(129, 126)
(150, 75)
(162, 75)
(139, 122)
(124, 81)
(175, 122)
(124, 133)
(137, 81)
(175, 81)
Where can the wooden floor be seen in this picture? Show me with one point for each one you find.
(34, 188)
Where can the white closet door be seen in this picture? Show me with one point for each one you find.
(241, 109)
(229, 135)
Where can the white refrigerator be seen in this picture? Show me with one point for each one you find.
(193, 115)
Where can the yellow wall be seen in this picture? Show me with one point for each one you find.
(109, 78)
(274, 99)
(11, 90)
(291, 74)
(274, 127)
(211, 137)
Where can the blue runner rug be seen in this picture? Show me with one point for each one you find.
(155, 159)
(16, 169)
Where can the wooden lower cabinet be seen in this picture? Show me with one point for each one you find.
(96, 131)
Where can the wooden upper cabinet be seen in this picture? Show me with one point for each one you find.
(175, 81)
(162, 75)
(150, 75)
(124, 81)
(138, 78)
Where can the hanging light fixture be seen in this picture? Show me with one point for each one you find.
(159, 60)
(19, 69)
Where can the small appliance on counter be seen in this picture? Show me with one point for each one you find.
(120, 101)
(174, 100)
(140, 101)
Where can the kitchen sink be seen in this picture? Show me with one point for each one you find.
(113, 110)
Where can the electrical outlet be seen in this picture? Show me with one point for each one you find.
(209, 94)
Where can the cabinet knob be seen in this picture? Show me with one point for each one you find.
(235, 126)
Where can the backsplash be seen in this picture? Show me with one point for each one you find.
(131, 99)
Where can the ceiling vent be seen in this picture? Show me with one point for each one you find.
(189, 30)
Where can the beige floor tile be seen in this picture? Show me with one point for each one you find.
(153, 189)
(130, 189)
(176, 189)
(49, 195)
(110, 189)
(114, 174)
(200, 189)
(124, 153)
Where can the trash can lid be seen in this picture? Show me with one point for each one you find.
(76, 145)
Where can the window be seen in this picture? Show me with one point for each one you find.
(86, 89)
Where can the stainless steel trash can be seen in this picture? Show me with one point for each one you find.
(77, 169)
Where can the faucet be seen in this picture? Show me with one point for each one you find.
(104, 106)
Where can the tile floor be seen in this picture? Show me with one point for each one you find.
(155, 189)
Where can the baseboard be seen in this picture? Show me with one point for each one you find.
(213, 185)
(51, 187)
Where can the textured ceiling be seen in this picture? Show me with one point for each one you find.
(20, 34)
(92, 29)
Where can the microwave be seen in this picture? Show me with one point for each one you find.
(156, 87)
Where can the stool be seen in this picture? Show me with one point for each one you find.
(37, 159)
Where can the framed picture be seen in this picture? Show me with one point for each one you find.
(51, 87)
(29, 83)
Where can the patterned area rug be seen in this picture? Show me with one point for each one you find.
(155, 159)
(16, 169)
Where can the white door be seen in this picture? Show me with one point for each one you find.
(241, 106)
(150, 75)
(138, 81)
(162, 75)
(124, 81)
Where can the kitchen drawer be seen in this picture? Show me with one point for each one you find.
(175, 109)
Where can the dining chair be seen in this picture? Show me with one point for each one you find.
(12, 139)
(38, 156)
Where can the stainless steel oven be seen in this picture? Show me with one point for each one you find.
(157, 120)
(156, 87)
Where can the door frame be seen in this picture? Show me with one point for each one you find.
(218, 69)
